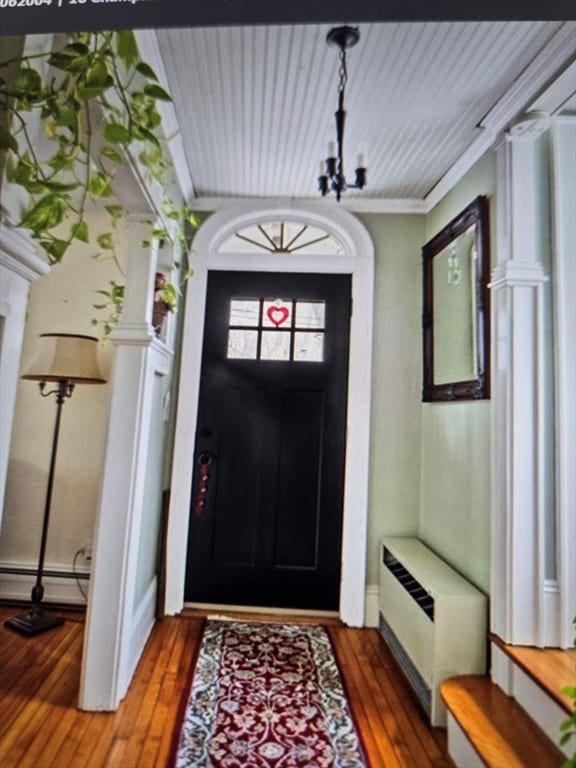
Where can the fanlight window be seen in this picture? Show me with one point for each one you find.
(281, 237)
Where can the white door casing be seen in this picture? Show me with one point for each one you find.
(357, 259)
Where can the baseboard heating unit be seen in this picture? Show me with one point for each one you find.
(432, 619)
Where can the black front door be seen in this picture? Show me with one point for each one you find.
(266, 515)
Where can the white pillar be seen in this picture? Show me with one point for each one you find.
(564, 218)
(518, 597)
(116, 628)
(19, 266)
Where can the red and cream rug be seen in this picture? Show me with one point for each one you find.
(268, 696)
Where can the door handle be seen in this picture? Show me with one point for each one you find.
(204, 461)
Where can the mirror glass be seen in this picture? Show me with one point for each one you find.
(455, 315)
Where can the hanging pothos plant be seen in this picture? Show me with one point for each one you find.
(98, 99)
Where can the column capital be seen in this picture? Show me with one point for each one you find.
(518, 273)
(529, 126)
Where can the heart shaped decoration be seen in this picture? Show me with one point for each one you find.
(277, 315)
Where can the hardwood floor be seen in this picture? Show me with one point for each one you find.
(41, 727)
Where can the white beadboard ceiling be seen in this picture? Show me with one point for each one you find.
(255, 105)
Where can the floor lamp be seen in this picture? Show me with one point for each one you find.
(64, 360)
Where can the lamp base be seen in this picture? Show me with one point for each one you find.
(33, 622)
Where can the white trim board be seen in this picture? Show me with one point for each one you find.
(357, 260)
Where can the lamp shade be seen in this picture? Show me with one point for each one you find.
(66, 356)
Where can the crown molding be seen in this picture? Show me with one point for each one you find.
(551, 60)
(150, 51)
(352, 204)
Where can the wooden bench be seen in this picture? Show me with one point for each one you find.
(500, 731)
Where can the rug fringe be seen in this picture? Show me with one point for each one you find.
(271, 620)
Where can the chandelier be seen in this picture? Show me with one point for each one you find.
(332, 178)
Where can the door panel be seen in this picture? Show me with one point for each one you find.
(266, 517)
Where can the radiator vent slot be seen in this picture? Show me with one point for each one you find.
(415, 679)
(416, 591)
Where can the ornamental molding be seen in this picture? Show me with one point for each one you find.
(18, 254)
(525, 274)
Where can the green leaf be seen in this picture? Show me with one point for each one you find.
(71, 58)
(146, 70)
(126, 47)
(59, 186)
(98, 74)
(88, 92)
(117, 134)
(145, 134)
(157, 92)
(97, 80)
(80, 232)
(46, 214)
(193, 219)
(106, 241)
(112, 154)
(56, 250)
(27, 83)
(116, 211)
(66, 118)
(98, 185)
(61, 162)
(7, 142)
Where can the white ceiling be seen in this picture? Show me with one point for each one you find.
(255, 105)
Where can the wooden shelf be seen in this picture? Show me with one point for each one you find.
(500, 731)
(550, 668)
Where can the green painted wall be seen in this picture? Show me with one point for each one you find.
(394, 495)
(455, 460)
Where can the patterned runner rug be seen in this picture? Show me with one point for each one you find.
(268, 696)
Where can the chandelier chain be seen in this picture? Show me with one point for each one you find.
(342, 72)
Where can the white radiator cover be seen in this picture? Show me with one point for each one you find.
(433, 620)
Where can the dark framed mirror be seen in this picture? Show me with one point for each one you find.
(455, 318)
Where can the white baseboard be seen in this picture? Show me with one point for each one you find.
(57, 589)
(371, 608)
(143, 623)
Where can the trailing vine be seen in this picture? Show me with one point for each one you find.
(98, 100)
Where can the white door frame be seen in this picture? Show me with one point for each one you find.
(357, 260)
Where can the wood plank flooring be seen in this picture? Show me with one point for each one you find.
(40, 724)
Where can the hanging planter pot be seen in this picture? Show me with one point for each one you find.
(165, 296)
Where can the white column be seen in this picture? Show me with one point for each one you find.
(112, 649)
(564, 219)
(19, 266)
(518, 363)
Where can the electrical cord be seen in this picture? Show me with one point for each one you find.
(78, 584)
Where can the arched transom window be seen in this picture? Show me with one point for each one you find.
(281, 237)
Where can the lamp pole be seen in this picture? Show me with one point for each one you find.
(66, 360)
(37, 619)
